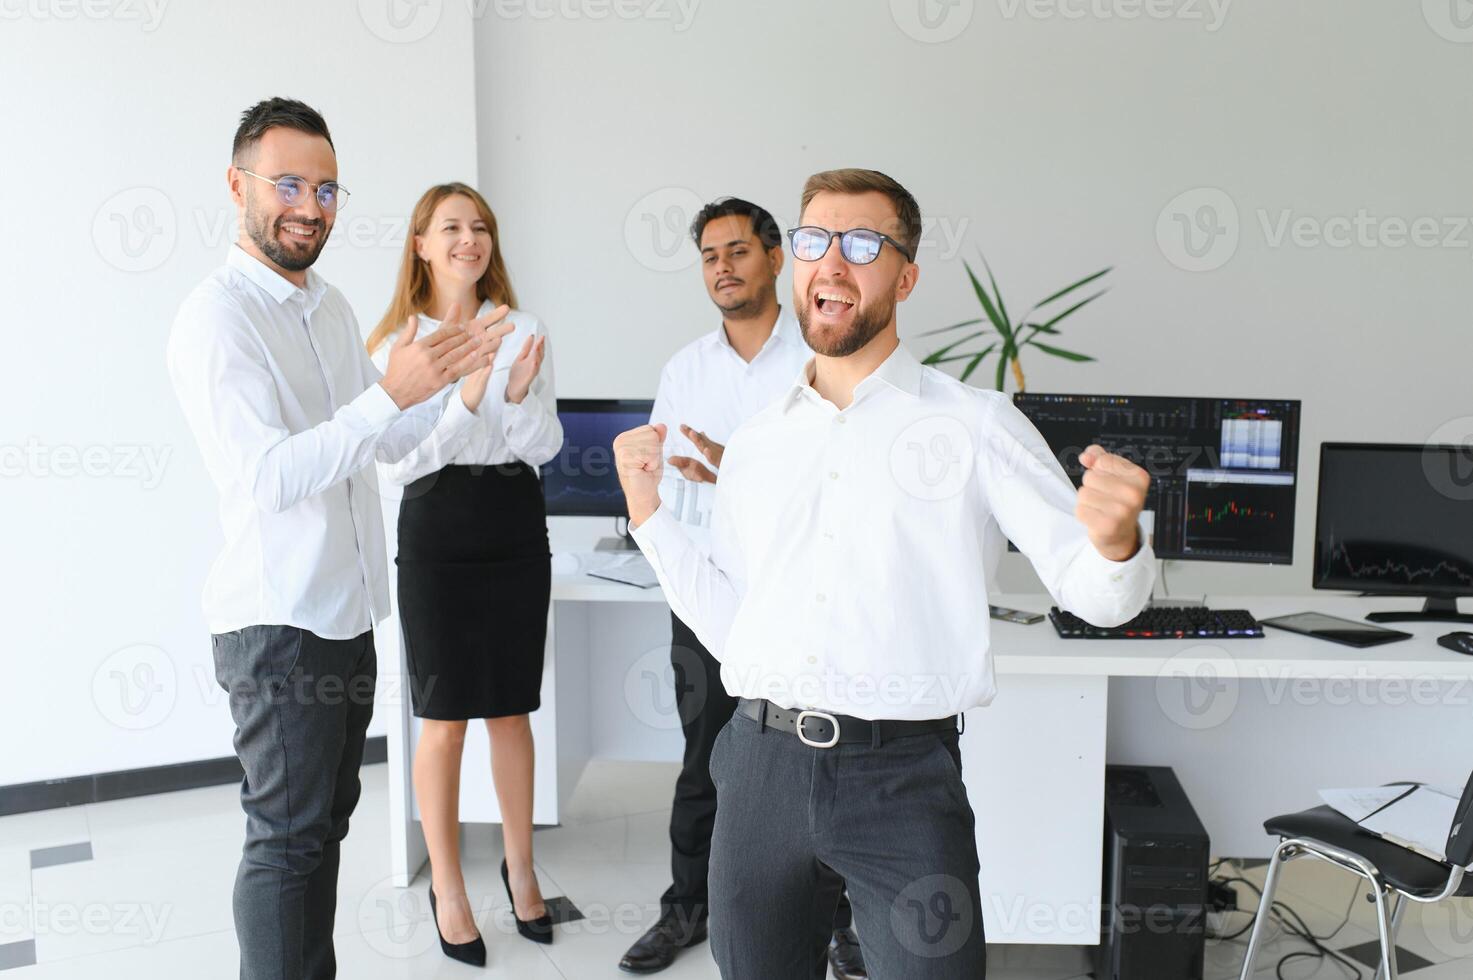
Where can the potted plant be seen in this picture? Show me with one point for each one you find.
(1011, 335)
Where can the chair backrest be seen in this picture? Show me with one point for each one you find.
(1460, 838)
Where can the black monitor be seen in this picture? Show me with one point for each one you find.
(581, 480)
(1397, 519)
(1223, 470)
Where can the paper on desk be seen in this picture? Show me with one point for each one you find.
(1420, 820)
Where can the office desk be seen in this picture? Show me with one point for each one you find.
(1252, 727)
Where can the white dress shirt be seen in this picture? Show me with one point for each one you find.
(285, 404)
(709, 387)
(498, 431)
(851, 550)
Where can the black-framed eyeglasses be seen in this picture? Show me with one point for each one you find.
(291, 189)
(859, 246)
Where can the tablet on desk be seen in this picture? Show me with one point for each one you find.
(1336, 629)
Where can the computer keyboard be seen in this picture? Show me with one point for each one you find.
(1165, 623)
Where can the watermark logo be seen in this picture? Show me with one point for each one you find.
(932, 458)
(666, 687)
(1198, 231)
(933, 916)
(932, 21)
(657, 229)
(1452, 20)
(135, 230)
(135, 688)
(148, 14)
(396, 922)
(124, 461)
(1210, 13)
(1451, 474)
(400, 21)
(1198, 688)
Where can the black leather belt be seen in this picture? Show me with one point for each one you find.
(824, 730)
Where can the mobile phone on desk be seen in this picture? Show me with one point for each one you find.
(1014, 615)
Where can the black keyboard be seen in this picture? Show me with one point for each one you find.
(1166, 623)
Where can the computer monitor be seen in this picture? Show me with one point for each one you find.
(1223, 470)
(581, 480)
(1397, 520)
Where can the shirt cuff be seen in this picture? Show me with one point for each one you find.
(660, 529)
(376, 406)
(1119, 576)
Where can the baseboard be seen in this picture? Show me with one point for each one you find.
(101, 787)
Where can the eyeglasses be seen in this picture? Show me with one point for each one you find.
(331, 196)
(860, 246)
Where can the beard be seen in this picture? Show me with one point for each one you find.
(294, 258)
(869, 320)
(748, 307)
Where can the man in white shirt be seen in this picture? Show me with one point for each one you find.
(856, 523)
(712, 385)
(269, 366)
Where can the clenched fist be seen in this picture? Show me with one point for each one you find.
(1110, 502)
(639, 458)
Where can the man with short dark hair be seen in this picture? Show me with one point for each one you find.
(290, 414)
(706, 390)
(857, 521)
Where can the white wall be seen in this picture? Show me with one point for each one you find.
(106, 658)
(1053, 141)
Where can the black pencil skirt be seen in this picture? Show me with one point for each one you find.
(475, 578)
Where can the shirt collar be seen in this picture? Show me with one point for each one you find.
(426, 319)
(900, 371)
(784, 331)
(271, 281)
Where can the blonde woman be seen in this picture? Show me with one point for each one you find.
(473, 604)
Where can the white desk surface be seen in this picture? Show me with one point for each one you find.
(1037, 649)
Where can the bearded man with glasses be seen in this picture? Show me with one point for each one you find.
(290, 414)
(856, 524)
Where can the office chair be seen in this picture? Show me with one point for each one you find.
(1394, 872)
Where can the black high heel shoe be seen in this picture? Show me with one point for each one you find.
(473, 952)
(539, 930)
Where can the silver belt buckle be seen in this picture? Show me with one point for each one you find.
(817, 714)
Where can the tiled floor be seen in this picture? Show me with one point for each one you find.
(141, 888)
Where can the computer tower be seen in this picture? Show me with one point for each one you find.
(1155, 885)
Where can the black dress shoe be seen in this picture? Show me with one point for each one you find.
(473, 952)
(539, 930)
(844, 956)
(656, 949)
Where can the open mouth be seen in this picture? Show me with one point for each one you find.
(833, 304)
(299, 232)
(470, 257)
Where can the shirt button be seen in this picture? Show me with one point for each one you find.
(813, 660)
(820, 597)
(840, 419)
(833, 474)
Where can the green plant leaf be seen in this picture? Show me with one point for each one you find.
(1077, 306)
(1069, 289)
(1068, 355)
(951, 358)
(1002, 372)
(976, 360)
(936, 355)
(998, 323)
(954, 326)
(1001, 306)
